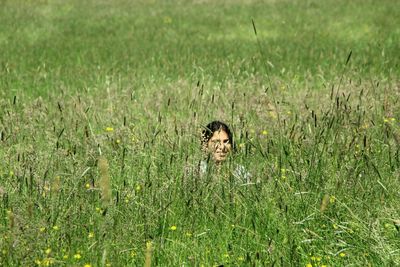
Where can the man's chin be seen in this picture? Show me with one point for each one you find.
(220, 158)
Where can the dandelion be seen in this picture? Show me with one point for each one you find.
(240, 258)
(91, 235)
(77, 256)
(264, 132)
(87, 186)
(109, 129)
(65, 257)
(335, 226)
(11, 173)
(332, 199)
(48, 251)
(309, 265)
(173, 228)
(133, 254)
(56, 228)
(117, 141)
(342, 254)
(87, 265)
(38, 262)
(42, 229)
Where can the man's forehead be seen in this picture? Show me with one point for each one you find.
(219, 135)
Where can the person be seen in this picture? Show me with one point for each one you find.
(217, 143)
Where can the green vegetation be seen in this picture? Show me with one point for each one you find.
(101, 108)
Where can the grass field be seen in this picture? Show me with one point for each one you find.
(101, 108)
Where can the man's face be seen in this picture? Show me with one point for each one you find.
(219, 146)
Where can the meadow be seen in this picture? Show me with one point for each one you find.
(101, 108)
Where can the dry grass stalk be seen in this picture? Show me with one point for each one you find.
(149, 251)
(325, 202)
(105, 181)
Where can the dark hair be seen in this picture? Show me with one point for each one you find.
(213, 127)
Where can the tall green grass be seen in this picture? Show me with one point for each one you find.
(99, 96)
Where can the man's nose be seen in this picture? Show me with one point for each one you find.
(223, 145)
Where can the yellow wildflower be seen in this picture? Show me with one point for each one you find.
(167, 20)
(65, 257)
(240, 258)
(77, 256)
(91, 235)
(87, 185)
(342, 254)
(264, 132)
(56, 228)
(42, 229)
(48, 251)
(109, 129)
(118, 141)
(47, 261)
(172, 228)
(309, 265)
(87, 265)
(332, 199)
(99, 210)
